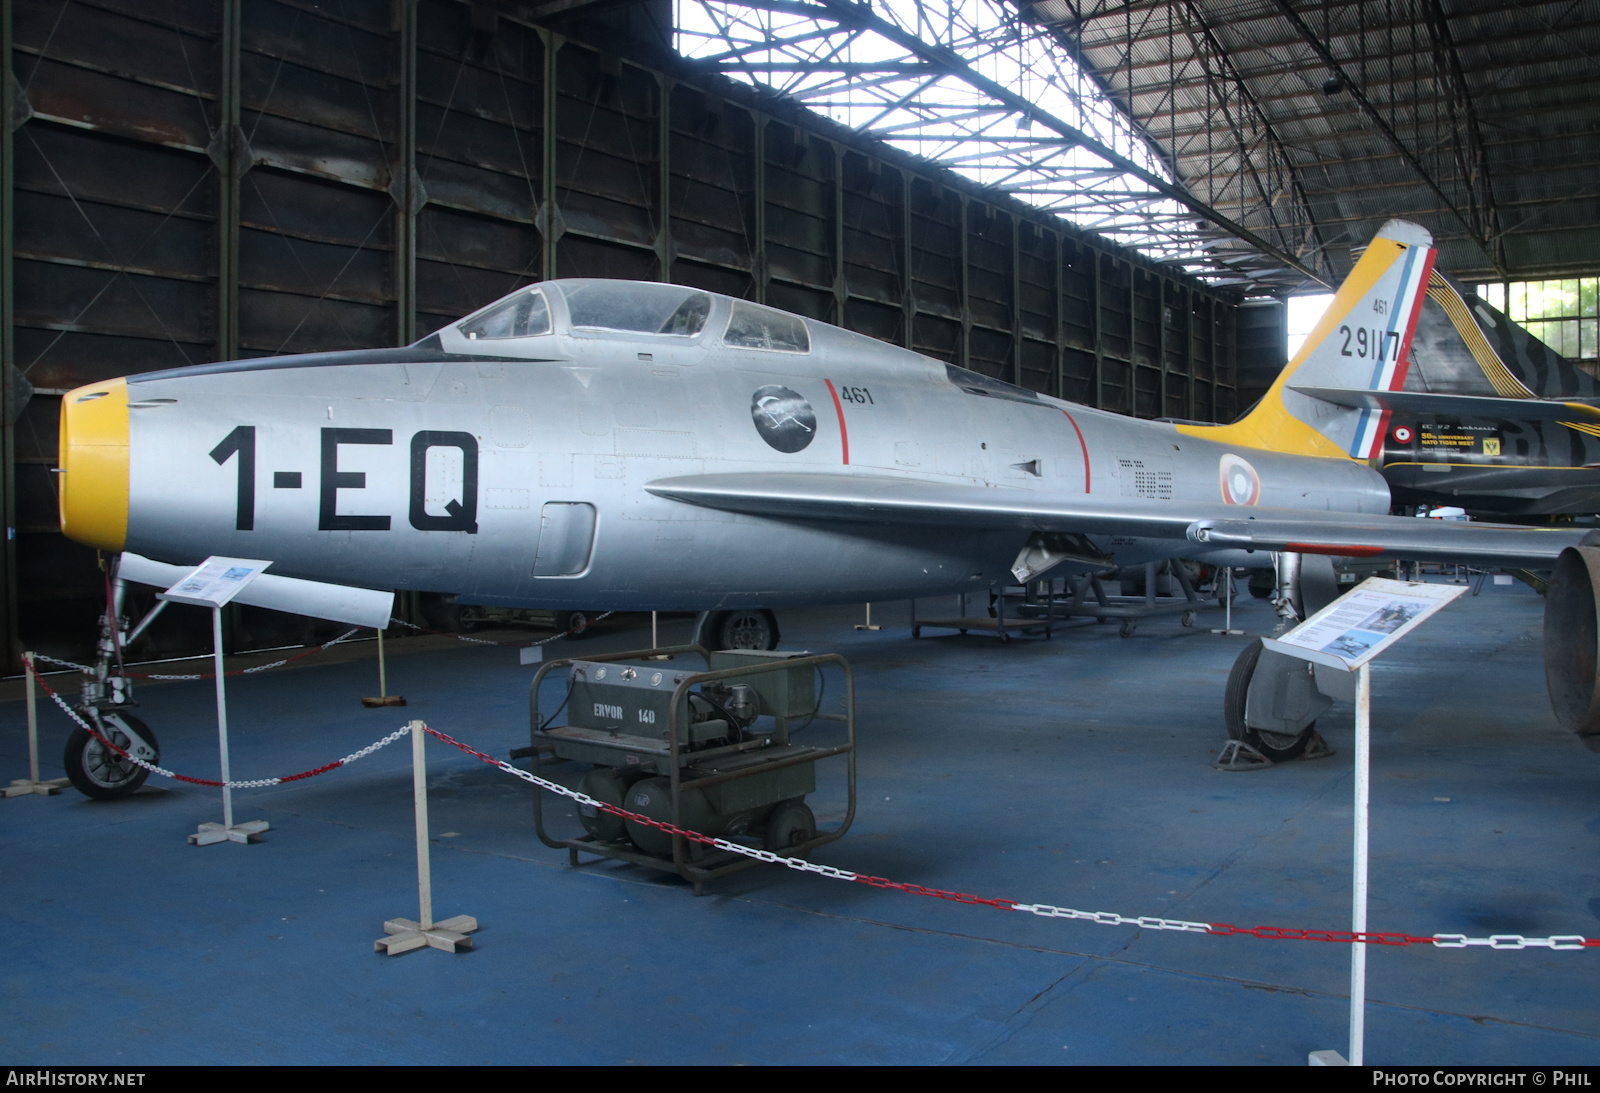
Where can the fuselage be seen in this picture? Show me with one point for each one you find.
(510, 469)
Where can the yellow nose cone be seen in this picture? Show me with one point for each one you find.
(94, 464)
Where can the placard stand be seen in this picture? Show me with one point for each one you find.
(868, 624)
(214, 583)
(1358, 867)
(402, 934)
(1348, 635)
(227, 830)
(31, 786)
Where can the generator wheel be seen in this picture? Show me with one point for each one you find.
(1280, 747)
(603, 784)
(100, 773)
(790, 825)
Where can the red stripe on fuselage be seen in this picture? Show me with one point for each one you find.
(1085, 448)
(844, 434)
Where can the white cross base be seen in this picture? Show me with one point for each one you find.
(239, 833)
(21, 786)
(405, 935)
(1326, 1057)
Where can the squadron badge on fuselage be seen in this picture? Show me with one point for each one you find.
(783, 418)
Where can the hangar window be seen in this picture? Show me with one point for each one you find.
(752, 326)
(636, 307)
(521, 316)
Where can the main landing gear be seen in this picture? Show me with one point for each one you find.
(754, 628)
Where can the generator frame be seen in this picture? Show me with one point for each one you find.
(677, 760)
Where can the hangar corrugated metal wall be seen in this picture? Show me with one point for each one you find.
(192, 180)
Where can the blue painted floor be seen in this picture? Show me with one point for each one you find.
(1074, 771)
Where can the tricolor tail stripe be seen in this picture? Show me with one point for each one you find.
(1389, 374)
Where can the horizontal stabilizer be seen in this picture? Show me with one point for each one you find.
(881, 499)
(334, 602)
(1426, 403)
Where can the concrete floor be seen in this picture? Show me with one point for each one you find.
(1074, 771)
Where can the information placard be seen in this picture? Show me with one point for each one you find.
(1364, 622)
(215, 581)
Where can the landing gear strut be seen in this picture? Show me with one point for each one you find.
(106, 700)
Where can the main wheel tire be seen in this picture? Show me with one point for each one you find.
(574, 624)
(1280, 747)
(749, 628)
(455, 620)
(100, 773)
(790, 825)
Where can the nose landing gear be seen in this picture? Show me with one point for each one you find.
(96, 770)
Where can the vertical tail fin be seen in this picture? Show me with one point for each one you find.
(1362, 342)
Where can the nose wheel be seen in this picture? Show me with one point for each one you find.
(98, 771)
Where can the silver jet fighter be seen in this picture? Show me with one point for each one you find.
(588, 443)
(610, 444)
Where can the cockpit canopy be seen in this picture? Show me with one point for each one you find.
(633, 308)
(636, 307)
(521, 315)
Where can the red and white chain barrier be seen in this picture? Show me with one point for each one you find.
(1044, 910)
(346, 636)
(253, 783)
(207, 675)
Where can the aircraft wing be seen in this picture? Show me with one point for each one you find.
(1453, 406)
(1355, 536)
(882, 499)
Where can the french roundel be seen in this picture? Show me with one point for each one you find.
(1401, 434)
(1240, 483)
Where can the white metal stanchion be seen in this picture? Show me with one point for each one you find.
(31, 786)
(1358, 894)
(227, 830)
(402, 934)
(1358, 899)
(384, 697)
(868, 624)
(1227, 626)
